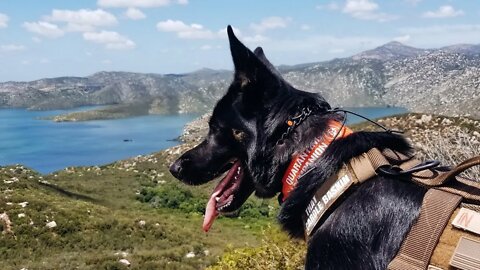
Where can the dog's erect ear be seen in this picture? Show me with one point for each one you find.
(261, 56)
(251, 67)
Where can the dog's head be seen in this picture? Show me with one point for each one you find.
(245, 136)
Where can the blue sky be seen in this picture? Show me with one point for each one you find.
(51, 38)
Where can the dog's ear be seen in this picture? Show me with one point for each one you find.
(261, 56)
(253, 69)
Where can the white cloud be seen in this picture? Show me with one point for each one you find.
(366, 10)
(83, 20)
(12, 48)
(329, 6)
(412, 2)
(135, 14)
(359, 6)
(443, 12)
(441, 29)
(110, 39)
(255, 39)
(196, 31)
(44, 29)
(325, 45)
(336, 51)
(138, 3)
(443, 35)
(270, 23)
(206, 47)
(44, 61)
(305, 27)
(402, 39)
(3, 20)
(183, 30)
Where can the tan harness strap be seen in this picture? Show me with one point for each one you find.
(443, 177)
(469, 193)
(467, 188)
(474, 207)
(361, 167)
(417, 248)
(395, 157)
(377, 159)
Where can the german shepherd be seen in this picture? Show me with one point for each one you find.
(247, 139)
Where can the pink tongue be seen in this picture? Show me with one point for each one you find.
(210, 212)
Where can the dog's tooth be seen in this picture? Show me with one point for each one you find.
(217, 199)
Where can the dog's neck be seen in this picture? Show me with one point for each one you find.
(302, 163)
(329, 163)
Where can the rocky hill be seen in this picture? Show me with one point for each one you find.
(391, 51)
(442, 81)
(170, 93)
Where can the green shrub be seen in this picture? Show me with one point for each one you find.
(173, 197)
(277, 252)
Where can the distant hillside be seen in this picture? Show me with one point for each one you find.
(169, 93)
(391, 51)
(442, 81)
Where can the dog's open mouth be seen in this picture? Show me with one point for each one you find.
(224, 194)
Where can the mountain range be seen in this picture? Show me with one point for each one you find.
(442, 81)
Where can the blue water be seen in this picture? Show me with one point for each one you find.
(47, 146)
(372, 113)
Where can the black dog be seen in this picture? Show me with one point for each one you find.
(251, 138)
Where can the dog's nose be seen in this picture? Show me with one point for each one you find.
(176, 168)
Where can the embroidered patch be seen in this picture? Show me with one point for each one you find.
(302, 162)
(466, 255)
(323, 199)
(468, 220)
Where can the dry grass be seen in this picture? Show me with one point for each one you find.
(452, 151)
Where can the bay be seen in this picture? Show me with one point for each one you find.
(47, 146)
(372, 113)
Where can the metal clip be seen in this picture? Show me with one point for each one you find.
(397, 171)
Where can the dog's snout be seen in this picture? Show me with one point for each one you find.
(176, 168)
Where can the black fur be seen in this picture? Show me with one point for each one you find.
(364, 229)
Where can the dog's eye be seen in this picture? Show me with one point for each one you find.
(238, 134)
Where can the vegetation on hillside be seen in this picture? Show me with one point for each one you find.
(133, 212)
(103, 217)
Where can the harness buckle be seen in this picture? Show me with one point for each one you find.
(390, 170)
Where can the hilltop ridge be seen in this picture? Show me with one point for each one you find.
(442, 81)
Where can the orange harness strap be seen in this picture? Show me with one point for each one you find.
(300, 163)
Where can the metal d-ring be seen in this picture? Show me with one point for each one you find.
(397, 171)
